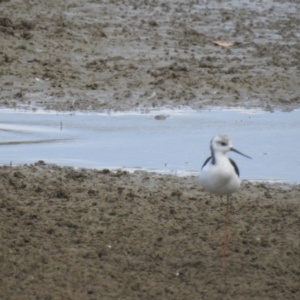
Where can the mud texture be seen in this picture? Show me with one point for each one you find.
(88, 234)
(129, 54)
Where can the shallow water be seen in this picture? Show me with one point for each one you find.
(179, 144)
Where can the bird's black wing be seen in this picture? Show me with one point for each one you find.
(205, 163)
(235, 167)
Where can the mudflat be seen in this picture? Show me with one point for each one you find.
(95, 234)
(120, 55)
(90, 234)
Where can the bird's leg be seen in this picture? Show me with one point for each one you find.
(227, 208)
(225, 241)
(230, 201)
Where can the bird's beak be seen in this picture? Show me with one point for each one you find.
(234, 150)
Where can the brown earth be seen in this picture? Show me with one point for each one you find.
(98, 55)
(88, 234)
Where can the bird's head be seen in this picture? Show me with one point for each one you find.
(223, 144)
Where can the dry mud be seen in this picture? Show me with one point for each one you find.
(98, 55)
(89, 234)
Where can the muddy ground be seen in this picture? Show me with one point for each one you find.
(125, 54)
(88, 234)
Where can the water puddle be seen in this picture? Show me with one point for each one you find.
(177, 144)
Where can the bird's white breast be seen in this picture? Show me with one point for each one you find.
(219, 178)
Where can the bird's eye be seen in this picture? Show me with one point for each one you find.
(223, 144)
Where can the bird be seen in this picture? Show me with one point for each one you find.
(220, 175)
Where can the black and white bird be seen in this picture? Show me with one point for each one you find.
(219, 174)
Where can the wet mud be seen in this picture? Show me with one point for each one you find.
(90, 234)
(120, 55)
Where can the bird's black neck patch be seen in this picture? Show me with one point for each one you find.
(213, 161)
(236, 169)
(206, 162)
